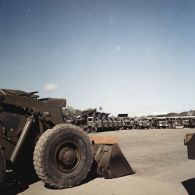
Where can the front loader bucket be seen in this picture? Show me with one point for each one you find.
(111, 163)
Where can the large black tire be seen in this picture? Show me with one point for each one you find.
(63, 156)
(2, 165)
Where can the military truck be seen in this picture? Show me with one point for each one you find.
(109, 121)
(105, 126)
(115, 123)
(176, 122)
(192, 122)
(143, 123)
(86, 120)
(189, 141)
(33, 131)
(160, 122)
(98, 123)
(91, 125)
(119, 122)
(127, 122)
(185, 122)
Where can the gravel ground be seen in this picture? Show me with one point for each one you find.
(159, 158)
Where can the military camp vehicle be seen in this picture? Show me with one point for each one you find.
(91, 124)
(186, 122)
(189, 141)
(143, 123)
(86, 120)
(115, 123)
(192, 122)
(105, 126)
(98, 123)
(119, 122)
(127, 122)
(160, 122)
(33, 131)
(109, 122)
(176, 122)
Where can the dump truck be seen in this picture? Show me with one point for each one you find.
(33, 131)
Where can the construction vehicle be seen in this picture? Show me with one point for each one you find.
(33, 131)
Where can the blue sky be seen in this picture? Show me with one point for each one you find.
(127, 56)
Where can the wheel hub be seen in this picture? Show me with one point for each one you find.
(68, 157)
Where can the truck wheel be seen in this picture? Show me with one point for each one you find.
(63, 156)
(88, 129)
(2, 165)
(94, 129)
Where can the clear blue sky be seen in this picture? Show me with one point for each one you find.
(128, 56)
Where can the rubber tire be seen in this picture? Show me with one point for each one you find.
(47, 171)
(2, 165)
(88, 129)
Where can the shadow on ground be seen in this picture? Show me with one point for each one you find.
(189, 185)
(91, 176)
(14, 184)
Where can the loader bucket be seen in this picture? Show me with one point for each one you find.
(111, 163)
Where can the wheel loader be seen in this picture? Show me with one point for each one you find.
(33, 131)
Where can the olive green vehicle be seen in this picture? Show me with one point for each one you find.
(86, 120)
(189, 141)
(33, 131)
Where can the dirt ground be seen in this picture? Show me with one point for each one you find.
(159, 158)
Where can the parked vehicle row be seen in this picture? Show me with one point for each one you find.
(173, 122)
(93, 121)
